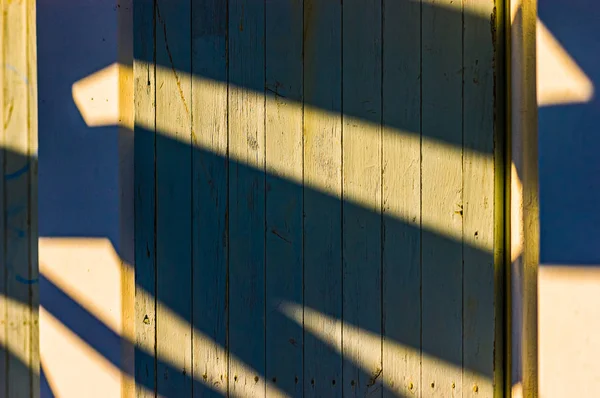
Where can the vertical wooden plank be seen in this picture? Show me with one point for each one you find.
(173, 199)
(3, 270)
(322, 214)
(209, 193)
(401, 198)
(32, 153)
(361, 157)
(16, 194)
(144, 197)
(524, 197)
(284, 205)
(479, 311)
(441, 27)
(246, 196)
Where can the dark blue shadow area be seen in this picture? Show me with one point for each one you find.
(78, 165)
(569, 142)
(80, 196)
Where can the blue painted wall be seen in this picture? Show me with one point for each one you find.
(569, 139)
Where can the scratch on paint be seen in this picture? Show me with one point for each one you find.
(9, 113)
(12, 68)
(187, 111)
(18, 173)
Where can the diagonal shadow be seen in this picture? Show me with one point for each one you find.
(190, 244)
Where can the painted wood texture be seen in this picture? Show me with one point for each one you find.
(284, 201)
(316, 198)
(209, 196)
(173, 199)
(144, 199)
(322, 211)
(19, 337)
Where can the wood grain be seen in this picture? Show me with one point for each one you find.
(284, 203)
(401, 198)
(479, 310)
(247, 196)
(144, 198)
(209, 195)
(173, 199)
(322, 211)
(441, 74)
(361, 171)
(20, 174)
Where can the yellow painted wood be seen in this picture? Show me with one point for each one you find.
(19, 338)
(3, 299)
(246, 45)
(361, 217)
(173, 200)
(32, 121)
(401, 179)
(284, 200)
(524, 197)
(322, 213)
(209, 196)
(481, 316)
(144, 88)
(442, 198)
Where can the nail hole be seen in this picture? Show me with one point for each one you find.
(352, 383)
(274, 379)
(333, 382)
(432, 384)
(296, 379)
(312, 382)
(256, 379)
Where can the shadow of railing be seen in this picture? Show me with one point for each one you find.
(211, 226)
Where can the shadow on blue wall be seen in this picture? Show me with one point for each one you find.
(569, 139)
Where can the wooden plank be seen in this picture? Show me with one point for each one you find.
(524, 199)
(33, 275)
(17, 179)
(442, 198)
(322, 213)
(3, 297)
(246, 197)
(479, 311)
(284, 204)
(173, 199)
(361, 160)
(401, 198)
(209, 193)
(144, 198)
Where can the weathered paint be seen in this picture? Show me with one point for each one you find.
(479, 201)
(342, 198)
(144, 84)
(322, 215)
(209, 197)
(284, 202)
(19, 345)
(361, 175)
(173, 199)
(246, 44)
(442, 193)
(401, 173)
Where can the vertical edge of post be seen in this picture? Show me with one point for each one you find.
(524, 203)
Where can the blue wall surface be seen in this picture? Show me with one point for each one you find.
(569, 137)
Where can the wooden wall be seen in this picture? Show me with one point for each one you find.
(318, 198)
(19, 344)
